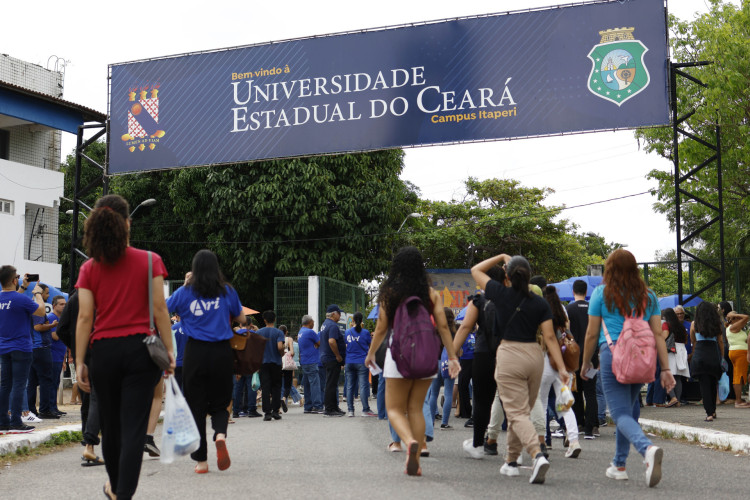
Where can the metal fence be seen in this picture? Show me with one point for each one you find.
(291, 299)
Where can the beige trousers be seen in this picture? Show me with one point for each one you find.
(518, 374)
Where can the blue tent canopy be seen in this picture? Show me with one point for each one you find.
(670, 301)
(374, 313)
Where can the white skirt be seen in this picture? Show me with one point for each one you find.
(678, 363)
(390, 370)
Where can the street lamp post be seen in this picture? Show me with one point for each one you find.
(413, 215)
(144, 203)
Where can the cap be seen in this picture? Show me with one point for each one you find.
(333, 308)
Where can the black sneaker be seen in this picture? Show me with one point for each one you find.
(61, 413)
(595, 432)
(438, 416)
(20, 429)
(469, 422)
(318, 411)
(275, 416)
(589, 435)
(48, 415)
(235, 415)
(284, 406)
(544, 450)
(150, 447)
(490, 449)
(267, 417)
(254, 414)
(333, 414)
(445, 426)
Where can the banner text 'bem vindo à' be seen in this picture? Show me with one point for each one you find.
(580, 68)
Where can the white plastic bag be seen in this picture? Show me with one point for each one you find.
(566, 399)
(179, 433)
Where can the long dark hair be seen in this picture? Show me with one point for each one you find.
(407, 277)
(105, 232)
(518, 271)
(451, 319)
(676, 328)
(559, 318)
(358, 321)
(207, 280)
(624, 285)
(707, 320)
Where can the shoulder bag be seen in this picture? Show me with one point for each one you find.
(153, 342)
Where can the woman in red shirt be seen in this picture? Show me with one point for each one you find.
(114, 283)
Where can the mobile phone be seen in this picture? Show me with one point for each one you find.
(32, 277)
(375, 370)
(591, 373)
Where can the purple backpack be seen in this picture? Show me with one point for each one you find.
(415, 345)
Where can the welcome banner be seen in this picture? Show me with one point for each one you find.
(595, 66)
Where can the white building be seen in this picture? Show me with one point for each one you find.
(32, 116)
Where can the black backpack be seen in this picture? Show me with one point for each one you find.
(486, 321)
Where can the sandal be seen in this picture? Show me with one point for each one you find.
(742, 405)
(412, 462)
(709, 419)
(394, 447)
(222, 455)
(424, 452)
(201, 471)
(673, 402)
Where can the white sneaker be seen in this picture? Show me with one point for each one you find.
(558, 434)
(617, 473)
(573, 450)
(541, 465)
(351, 413)
(509, 470)
(31, 418)
(471, 451)
(653, 458)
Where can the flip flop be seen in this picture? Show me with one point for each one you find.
(424, 452)
(91, 462)
(412, 462)
(222, 455)
(200, 471)
(709, 419)
(394, 447)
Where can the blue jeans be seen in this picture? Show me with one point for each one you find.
(437, 383)
(601, 401)
(40, 375)
(14, 372)
(357, 372)
(655, 394)
(429, 422)
(624, 407)
(244, 385)
(311, 383)
(382, 413)
(448, 384)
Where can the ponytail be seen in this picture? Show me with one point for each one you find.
(105, 235)
(519, 271)
(358, 321)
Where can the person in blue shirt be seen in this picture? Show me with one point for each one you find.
(309, 342)
(358, 342)
(16, 311)
(206, 304)
(332, 352)
(464, 379)
(179, 340)
(270, 371)
(40, 374)
(58, 349)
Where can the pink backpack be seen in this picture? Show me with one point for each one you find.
(634, 354)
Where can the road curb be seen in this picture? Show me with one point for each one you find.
(725, 440)
(9, 443)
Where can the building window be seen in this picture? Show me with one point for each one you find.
(4, 144)
(6, 207)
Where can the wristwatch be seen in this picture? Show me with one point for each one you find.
(23, 287)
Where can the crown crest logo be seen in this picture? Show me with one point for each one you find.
(616, 35)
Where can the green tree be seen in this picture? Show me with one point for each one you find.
(721, 36)
(499, 216)
(327, 215)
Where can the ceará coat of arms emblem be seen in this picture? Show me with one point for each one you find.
(618, 71)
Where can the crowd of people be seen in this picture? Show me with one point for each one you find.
(517, 358)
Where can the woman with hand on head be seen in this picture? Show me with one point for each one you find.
(207, 304)
(520, 361)
(114, 282)
(737, 339)
(404, 397)
(624, 293)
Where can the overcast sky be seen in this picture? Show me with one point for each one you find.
(582, 169)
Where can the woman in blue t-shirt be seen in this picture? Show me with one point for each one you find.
(205, 305)
(358, 341)
(624, 293)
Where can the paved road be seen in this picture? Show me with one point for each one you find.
(309, 456)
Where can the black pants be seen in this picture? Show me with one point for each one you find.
(708, 387)
(270, 383)
(483, 376)
(585, 407)
(464, 397)
(331, 399)
(90, 422)
(124, 378)
(287, 376)
(40, 375)
(208, 379)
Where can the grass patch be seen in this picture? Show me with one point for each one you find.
(56, 441)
